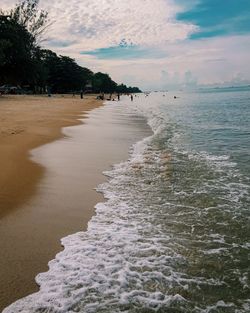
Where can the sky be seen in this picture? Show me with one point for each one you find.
(154, 44)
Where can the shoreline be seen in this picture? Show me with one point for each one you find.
(65, 197)
(27, 123)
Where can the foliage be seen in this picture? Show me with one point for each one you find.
(4, 45)
(63, 73)
(124, 89)
(17, 52)
(29, 16)
(103, 83)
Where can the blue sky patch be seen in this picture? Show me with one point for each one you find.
(218, 17)
(125, 52)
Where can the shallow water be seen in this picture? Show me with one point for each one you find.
(173, 235)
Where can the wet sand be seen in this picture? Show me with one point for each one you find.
(63, 195)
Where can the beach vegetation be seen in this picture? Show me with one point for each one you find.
(124, 89)
(62, 73)
(103, 83)
(18, 58)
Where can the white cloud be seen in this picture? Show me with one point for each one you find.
(103, 23)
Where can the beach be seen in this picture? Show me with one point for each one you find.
(48, 176)
(27, 122)
(124, 156)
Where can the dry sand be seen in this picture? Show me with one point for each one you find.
(27, 122)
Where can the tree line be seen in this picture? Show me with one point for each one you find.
(24, 63)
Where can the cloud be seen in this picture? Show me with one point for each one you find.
(177, 80)
(95, 24)
(101, 24)
(60, 43)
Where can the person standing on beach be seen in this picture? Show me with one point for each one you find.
(49, 91)
(131, 97)
(118, 97)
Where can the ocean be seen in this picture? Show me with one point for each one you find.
(174, 233)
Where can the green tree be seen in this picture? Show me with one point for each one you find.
(63, 73)
(20, 30)
(103, 83)
(28, 15)
(124, 89)
(4, 45)
(17, 52)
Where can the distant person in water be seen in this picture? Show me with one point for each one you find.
(118, 97)
(131, 97)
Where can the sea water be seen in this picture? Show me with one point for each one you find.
(173, 234)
